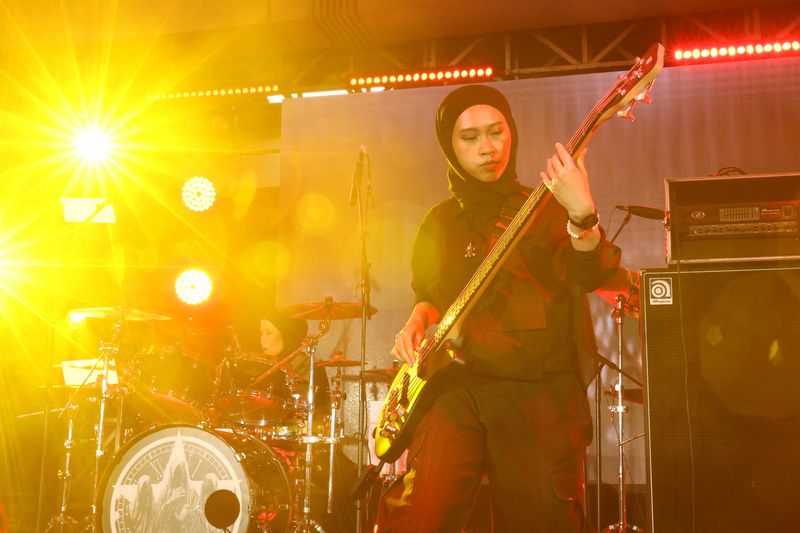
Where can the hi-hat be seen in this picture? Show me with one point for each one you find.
(327, 310)
(117, 313)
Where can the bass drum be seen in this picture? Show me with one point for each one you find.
(161, 480)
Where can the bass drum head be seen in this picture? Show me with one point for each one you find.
(161, 480)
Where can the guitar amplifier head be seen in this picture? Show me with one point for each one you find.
(733, 218)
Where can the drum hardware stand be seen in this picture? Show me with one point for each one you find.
(306, 524)
(337, 395)
(107, 350)
(620, 409)
(63, 522)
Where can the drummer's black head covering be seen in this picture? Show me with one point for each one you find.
(476, 197)
(293, 330)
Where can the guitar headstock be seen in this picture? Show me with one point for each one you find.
(634, 86)
(631, 87)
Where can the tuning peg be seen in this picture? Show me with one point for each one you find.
(627, 113)
(643, 96)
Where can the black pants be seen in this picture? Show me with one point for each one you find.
(529, 436)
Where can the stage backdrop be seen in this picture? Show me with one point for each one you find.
(702, 118)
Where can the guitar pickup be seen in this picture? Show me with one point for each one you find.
(389, 431)
(403, 401)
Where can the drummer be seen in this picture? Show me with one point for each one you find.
(281, 335)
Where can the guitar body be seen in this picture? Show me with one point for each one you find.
(415, 387)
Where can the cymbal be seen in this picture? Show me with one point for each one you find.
(623, 283)
(337, 363)
(327, 310)
(386, 374)
(87, 364)
(117, 313)
(375, 375)
(632, 395)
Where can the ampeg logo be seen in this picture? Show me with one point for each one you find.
(660, 291)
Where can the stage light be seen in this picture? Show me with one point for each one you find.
(732, 52)
(436, 76)
(93, 145)
(201, 93)
(198, 194)
(193, 286)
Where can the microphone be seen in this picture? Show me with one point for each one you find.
(357, 174)
(643, 211)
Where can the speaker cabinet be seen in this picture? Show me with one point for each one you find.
(721, 354)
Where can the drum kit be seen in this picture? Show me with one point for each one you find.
(183, 446)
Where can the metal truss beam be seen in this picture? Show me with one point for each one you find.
(552, 51)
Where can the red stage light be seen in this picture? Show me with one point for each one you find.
(750, 50)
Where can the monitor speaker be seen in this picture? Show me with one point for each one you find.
(721, 354)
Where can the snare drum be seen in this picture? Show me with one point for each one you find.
(161, 480)
(265, 404)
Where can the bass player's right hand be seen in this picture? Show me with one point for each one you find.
(409, 339)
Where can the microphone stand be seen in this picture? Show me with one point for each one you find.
(362, 202)
(621, 226)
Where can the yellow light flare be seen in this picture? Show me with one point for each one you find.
(93, 145)
(315, 215)
(266, 261)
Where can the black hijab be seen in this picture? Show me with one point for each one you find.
(293, 330)
(480, 200)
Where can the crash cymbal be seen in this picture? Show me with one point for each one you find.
(327, 310)
(116, 313)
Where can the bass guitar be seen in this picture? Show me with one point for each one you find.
(414, 387)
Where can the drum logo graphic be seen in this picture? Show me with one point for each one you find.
(660, 291)
(163, 482)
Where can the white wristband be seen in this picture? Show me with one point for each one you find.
(571, 230)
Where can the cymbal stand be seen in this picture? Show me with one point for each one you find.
(63, 522)
(620, 409)
(306, 524)
(107, 350)
(336, 404)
